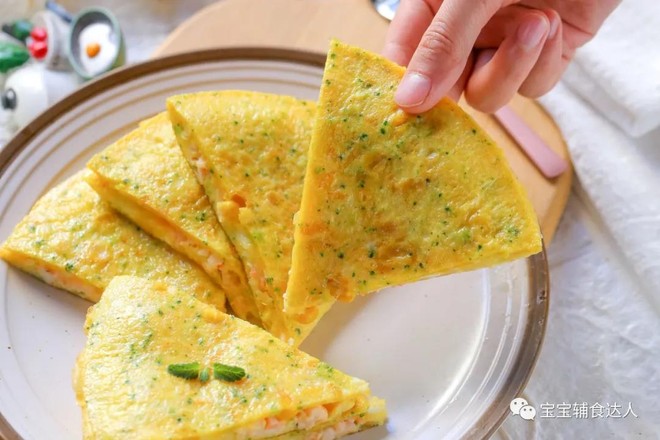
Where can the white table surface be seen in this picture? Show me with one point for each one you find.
(599, 330)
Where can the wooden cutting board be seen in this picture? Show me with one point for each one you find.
(309, 24)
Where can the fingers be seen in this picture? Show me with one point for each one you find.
(457, 89)
(436, 38)
(498, 75)
(549, 66)
(443, 50)
(403, 35)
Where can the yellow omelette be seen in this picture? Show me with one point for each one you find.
(73, 240)
(249, 151)
(391, 198)
(160, 364)
(145, 177)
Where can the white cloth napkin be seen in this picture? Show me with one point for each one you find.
(619, 71)
(602, 345)
(621, 177)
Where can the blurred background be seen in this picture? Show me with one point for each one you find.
(145, 24)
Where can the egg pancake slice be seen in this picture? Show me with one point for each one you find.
(391, 198)
(160, 364)
(249, 152)
(145, 177)
(73, 240)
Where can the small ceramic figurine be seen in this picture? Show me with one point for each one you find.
(48, 42)
(96, 44)
(90, 43)
(19, 29)
(12, 55)
(32, 89)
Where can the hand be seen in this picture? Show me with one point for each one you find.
(490, 49)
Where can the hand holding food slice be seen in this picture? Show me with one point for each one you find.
(145, 177)
(160, 364)
(391, 198)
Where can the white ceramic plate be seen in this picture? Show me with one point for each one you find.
(448, 354)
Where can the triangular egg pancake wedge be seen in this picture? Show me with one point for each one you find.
(73, 240)
(145, 177)
(249, 151)
(160, 364)
(390, 198)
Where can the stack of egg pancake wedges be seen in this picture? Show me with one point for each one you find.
(258, 212)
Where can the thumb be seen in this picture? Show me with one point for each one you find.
(442, 53)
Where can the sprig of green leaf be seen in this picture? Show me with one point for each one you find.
(193, 370)
(228, 373)
(185, 371)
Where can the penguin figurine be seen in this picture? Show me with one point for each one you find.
(31, 89)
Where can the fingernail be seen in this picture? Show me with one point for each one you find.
(532, 32)
(554, 27)
(413, 90)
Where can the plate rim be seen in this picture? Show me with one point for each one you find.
(534, 333)
(531, 345)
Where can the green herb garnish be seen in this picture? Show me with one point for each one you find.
(193, 371)
(228, 373)
(185, 371)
